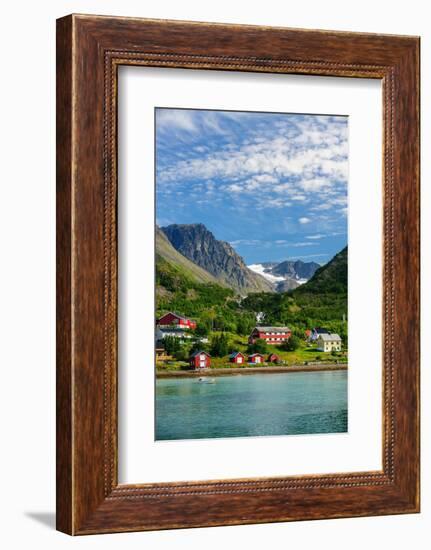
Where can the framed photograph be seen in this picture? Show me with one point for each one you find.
(237, 274)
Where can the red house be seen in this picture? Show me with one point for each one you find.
(174, 319)
(272, 335)
(273, 358)
(237, 357)
(255, 358)
(200, 360)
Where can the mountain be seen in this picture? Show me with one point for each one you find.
(330, 278)
(287, 284)
(279, 282)
(167, 252)
(321, 301)
(198, 244)
(296, 269)
(286, 275)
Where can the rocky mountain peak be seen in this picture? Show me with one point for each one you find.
(200, 246)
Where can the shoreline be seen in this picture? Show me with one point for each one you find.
(249, 370)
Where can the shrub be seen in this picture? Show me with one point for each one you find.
(259, 346)
(219, 345)
(171, 344)
(292, 343)
(181, 355)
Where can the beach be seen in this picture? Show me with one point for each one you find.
(250, 370)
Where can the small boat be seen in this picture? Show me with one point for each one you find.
(205, 380)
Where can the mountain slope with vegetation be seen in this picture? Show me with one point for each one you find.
(320, 301)
(187, 288)
(331, 278)
(215, 307)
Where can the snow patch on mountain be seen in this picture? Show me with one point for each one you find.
(260, 269)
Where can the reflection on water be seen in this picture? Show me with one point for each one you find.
(252, 405)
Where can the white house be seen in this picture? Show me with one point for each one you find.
(329, 342)
(172, 331)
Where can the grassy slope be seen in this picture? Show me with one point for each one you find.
(178, 289)
(306, 353)
(165, 250)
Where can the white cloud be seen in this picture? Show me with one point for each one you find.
(179, 118)
(245, 242)
(314, 184)
(175, 121)
(303, 244)
(312, 256)
(270, 159)
(302, 160)
(314, 237)
(263, 179)
(304, 220)
(235, 188)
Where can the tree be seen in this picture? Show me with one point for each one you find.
(259, 346)
(198, 346)
(244, 324)
(219, 323)
(202, 329)
(292, 343)
(298, 332)
(219, 345)
(171, 344)
(344, 337)
(181, 355)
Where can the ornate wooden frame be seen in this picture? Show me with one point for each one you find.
(89, 51)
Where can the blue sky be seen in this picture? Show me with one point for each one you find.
(272, 185)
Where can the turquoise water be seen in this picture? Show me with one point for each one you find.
(252, 405)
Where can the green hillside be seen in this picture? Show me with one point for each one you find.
(215, 307)
(320, 301)
(185, 287)
(330, 278)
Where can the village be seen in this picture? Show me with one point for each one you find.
(179, 346)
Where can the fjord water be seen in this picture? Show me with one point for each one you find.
(252, 405)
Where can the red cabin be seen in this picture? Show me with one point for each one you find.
(200, 360)
(255, 358)
(237, 357)
(272, 335)
(273, 358)
(174, 319)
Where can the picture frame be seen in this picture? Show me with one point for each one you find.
(89, 51)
